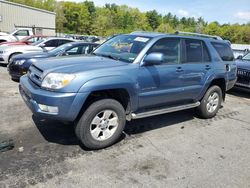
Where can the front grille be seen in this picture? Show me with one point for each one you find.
(35, 75)
(243, 77)
(243, 73)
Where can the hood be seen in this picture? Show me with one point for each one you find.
(243, 64)
(33, 55)
(77, 64)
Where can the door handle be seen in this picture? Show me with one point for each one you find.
(179, 69)
(207, 67)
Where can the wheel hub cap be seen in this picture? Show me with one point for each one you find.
(104, 125)
(212, 102)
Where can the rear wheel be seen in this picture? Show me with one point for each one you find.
(101, 125)
(211, 103)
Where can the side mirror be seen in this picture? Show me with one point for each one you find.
(239, 57)
(153, 59)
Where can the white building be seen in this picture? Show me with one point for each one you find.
(14, 15)
(240, 49)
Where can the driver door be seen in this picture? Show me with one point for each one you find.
(161, 84)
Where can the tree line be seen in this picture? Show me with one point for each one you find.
(86, 18)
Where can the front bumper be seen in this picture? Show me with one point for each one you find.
(69, 104)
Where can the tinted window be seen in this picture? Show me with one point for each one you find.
(206, 56)
(224, 51)
(169, 47)
(51, 43)
(194, 51)
(77, 50)
(61, 42)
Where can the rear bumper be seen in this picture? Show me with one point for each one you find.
(68, 104)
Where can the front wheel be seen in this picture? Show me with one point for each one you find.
(210, 103)
(101, 125)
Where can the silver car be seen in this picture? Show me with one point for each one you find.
(46, 44)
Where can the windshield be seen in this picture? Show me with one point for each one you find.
(123, 47)
(59, 49)
(247, 57)
(38, 42)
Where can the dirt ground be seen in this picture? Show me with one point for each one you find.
(172, 150)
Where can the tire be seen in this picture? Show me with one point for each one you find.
(209, 105)
(12, 55)
(95, 129)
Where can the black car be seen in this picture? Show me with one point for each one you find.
(243, 73)
(20, 64)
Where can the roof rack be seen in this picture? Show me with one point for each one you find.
(198, 34)
(136, 32)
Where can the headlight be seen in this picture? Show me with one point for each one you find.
(19, 62)
(57, 80)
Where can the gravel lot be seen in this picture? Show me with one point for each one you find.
(173, 150)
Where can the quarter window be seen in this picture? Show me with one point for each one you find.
(224, 51)
(169, 47)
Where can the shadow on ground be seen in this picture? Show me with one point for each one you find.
(239, 93)
(63, 133)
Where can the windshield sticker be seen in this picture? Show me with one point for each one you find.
(141, 39)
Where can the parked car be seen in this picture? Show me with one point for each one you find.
(17, 34)
(25, 41)
(243, 73)
(156, 74)
(20, 64)
(8, 52)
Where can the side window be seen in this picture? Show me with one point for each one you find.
(193, 51)
(85, 49)
(61, 42)
(196, 51)
(169, 47)
(22, 33)
(74, 50)
(206, 56)
(51, 43)
(224, 51)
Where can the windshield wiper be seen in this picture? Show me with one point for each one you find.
(107, 55)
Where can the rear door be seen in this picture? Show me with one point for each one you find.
(196, 67)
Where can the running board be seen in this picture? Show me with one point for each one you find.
(163, 111)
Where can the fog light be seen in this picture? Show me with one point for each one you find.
(50, 109)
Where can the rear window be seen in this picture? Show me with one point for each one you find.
(224, 50)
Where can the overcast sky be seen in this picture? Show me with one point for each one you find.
(223, 11)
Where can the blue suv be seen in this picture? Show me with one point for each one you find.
(128, 77)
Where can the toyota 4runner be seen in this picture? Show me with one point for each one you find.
(128, 77)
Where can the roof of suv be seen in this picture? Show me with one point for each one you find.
(184, 35)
